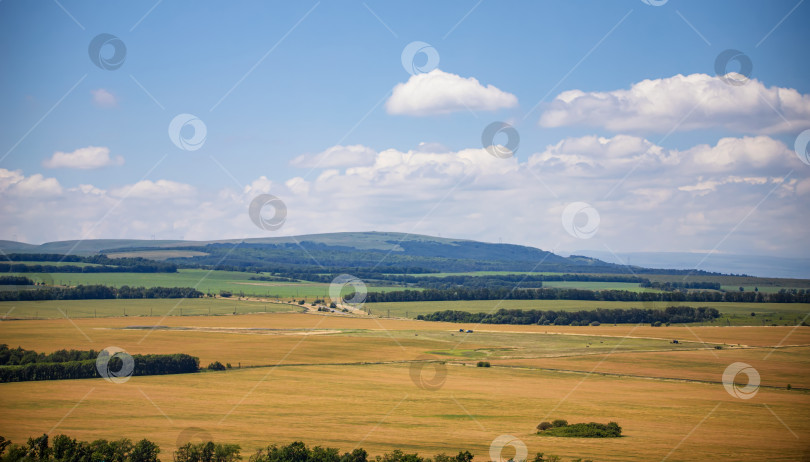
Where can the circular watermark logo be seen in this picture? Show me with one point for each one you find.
(180, 127)
(496, 448)
(500, 151)
(730, 374)
(99, 51)
(801, 145)
(739, 77)
(273, 223)
(428, 380)
(193, 435)
(118, 355)
(414, 49)
(337, 285)
(580, 220)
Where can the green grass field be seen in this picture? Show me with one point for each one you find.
(733, 313)
(53, 263)
(203, 280)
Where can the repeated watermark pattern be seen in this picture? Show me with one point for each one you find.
(430, 380)
(750, 389)
(498, 444)
(103, 365)
(500, 151)
(801, 145)
(572, 220)
(99, 52)
(179, 129)
(260, 203)
(739, 77)
(411, 61)
(193, 435)
(340, 282)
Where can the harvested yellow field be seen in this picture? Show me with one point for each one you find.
(351, 382)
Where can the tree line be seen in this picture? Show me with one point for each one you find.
(15, 281)
(20, 356)
(504, 293)
(106, 264)
(96, 292)
(66, 449)
(86, 368)
(672, 314)
(669, 286)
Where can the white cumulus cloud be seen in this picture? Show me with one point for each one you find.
(103, 98)
(683, 102)
(160, 189)
(439, 92)
(83, 158)
(336, 156)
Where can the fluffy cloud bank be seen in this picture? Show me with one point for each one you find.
(438, 92)
(649, 198)
(696, 101)
(83, 158)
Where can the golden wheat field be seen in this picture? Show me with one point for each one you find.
(384, 384)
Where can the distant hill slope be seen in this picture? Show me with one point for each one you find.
(373, 251)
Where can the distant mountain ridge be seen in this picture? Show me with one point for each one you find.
(379, 251)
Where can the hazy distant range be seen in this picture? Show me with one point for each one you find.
(753, 265)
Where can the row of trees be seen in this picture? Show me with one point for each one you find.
(146, 267)
(20, 356)
(86, 369)
(105, 264)
(66, 449)
(681, 285)
(503, 293)
(15, 281)
(672, 314)
(94, 292)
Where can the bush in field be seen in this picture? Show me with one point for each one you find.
(561, 428)
(216, 366)
(482, 364)
(544, 426)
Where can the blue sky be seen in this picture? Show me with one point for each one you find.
(275, 81)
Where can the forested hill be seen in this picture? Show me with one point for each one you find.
(383, 252)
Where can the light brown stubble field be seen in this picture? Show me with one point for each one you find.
(325, 401)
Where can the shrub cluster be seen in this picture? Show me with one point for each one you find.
(562, 428)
